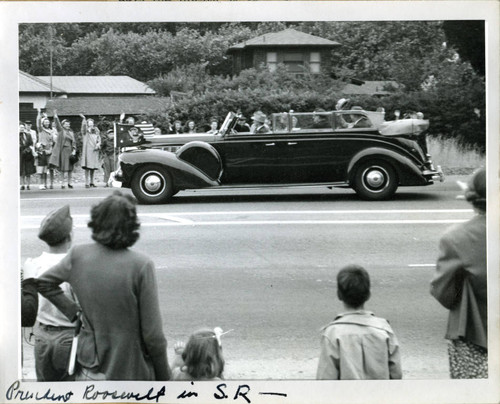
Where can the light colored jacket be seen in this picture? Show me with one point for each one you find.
(459, 283)
(359, 346)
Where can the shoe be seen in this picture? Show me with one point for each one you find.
(51, 186)
(87, 186)
(22, 187)
(106, 186)
(27, 187)
(42, 187)
(62, 187)
(92, 185)
(70, 186)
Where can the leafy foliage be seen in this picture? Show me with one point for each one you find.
(192, 58)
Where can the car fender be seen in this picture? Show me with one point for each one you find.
(185, 175)
(203, 156)
(409, 173)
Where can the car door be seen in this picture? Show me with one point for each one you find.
(252, 159)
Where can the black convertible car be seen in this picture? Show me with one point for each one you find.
(349, 148)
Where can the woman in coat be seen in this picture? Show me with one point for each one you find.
(122, 331)
(26, 157)
(64, 148)
(459, 284)
(90, 150)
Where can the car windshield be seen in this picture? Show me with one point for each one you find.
(229, 122)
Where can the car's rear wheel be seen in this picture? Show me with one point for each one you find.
(152, 184)
(375, 180)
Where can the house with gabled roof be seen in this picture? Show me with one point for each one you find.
(298, 51)
(94, 96)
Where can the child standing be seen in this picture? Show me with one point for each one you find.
(201, 358)
(53, 331)
(357, 344)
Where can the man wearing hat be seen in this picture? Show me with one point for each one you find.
(53, 331)
(259, 123)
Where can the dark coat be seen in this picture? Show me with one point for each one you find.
(118, 294)
(459, 283)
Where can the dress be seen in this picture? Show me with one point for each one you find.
(359, 346)
(118, 294)
(64, 147)
(26, 159)
(91, 145)
(460, 285)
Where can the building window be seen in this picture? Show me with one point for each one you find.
(294, 62)
(271, 61)
(315, 62)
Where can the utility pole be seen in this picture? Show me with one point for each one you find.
(51, 34)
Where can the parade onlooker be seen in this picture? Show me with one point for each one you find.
(177, 129)
(357, 345)
(29, 297)
(190, 127)
(64, 148)
(459, 284)
(259, 123)
(53, 332)
(90, 150)
(201, 358)
(32, 132)
(46, 140)
(26, 157)
(122, 329)
(108, 154)
(214, 123)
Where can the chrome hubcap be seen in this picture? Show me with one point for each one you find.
(152, 183)
(375, 178)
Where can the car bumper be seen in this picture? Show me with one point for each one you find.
(434, 175)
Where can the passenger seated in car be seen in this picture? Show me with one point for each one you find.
(320, 121)
(259, 123)
(242, 125)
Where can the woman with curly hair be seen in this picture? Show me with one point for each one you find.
(459, 284)
(122, 334)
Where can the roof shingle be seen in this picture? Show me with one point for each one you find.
(32, 84)
(287, 37)
(106, 105)
(99, 84)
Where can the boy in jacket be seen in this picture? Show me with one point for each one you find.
(357, 345)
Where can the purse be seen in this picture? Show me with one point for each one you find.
(73, 159)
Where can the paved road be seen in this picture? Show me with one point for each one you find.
(264, 264)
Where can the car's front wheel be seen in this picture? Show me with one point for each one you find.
(152, 184)
(375, 180)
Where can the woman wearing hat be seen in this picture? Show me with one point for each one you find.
(259, 123)
(64, 148)
(459, 284)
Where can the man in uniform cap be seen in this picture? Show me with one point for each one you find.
(53, 331)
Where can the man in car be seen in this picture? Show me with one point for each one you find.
(320, 121)
(259, 123)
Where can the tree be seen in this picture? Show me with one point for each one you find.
(468, 38)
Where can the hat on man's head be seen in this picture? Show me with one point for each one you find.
(56, 226)
(27, 122)
(259, 116)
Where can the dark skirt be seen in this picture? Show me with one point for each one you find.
(26, 165)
